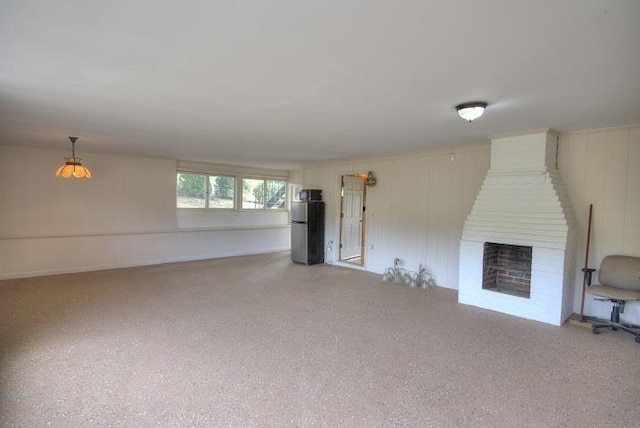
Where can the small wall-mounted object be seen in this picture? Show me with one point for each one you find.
(371, 179)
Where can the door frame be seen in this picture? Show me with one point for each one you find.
(362, 175)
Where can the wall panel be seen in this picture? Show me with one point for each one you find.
(125, 215)
(631, 236)
(25, 257)
(415, 212)
(599, 167)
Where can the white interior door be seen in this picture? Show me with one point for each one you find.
(352, 207)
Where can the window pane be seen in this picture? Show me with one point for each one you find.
(221, 192)
(276, 194)
(190, 190)
(252, 194)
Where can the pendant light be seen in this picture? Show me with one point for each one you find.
(471, 111)
(73, 166)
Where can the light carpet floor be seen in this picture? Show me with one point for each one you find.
(260, 341)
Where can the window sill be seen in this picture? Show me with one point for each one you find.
(233, 210)
(233, 227)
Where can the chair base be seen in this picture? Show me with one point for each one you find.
(615, 324)
(595, 328)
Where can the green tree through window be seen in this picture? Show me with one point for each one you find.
(223, 188)
(222, 191)
(191, 185)
(191, 190)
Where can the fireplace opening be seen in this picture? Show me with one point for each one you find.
(507, 269)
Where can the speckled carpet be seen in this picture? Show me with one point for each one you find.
(259, 341)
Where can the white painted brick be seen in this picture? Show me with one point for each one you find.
(522, 202)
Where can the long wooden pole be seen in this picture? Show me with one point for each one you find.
(586, 264)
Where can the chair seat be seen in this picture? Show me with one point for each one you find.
(613, 293)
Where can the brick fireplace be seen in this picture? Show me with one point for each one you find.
(507, 269)
(517, 249)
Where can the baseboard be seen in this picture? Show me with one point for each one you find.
(69, 270)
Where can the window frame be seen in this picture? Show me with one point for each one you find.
(238, 195)
(208, 190)
(264, 181)
(205, 196)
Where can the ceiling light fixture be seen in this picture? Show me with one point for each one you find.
(73, 166)
(471, 111)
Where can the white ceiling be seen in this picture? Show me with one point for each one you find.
(283, 82)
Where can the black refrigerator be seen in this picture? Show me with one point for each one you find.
(307, 232)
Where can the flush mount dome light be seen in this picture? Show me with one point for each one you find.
(471, 111)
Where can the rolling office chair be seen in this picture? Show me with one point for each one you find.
(619, 278)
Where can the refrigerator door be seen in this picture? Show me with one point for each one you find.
(298, 211)
(299, 243)
(315, 228)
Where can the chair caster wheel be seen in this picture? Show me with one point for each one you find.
(638, 339)
(595, 330)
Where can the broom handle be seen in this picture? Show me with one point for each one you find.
(586, 264)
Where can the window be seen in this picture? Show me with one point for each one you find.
(212, 191)
(275, 194)
(259, 193)
(191, 190)
(204, 191)
(222, 191)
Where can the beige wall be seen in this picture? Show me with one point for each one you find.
(124, 216)
(126, 194)
(602, 167)
(417, 210)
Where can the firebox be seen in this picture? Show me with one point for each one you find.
(507, 269)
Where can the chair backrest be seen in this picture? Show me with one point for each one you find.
(620, 272)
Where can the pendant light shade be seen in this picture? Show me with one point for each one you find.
(471, 111)
(73, 166)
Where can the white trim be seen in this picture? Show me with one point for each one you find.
(522, 133)
(338, 239)
(45, 272)
(211, 168)
(145, 232)
(347, 265)
(441, 150)
(608, 129)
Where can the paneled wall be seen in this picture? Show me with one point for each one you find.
(415, 212)
(602, 167)
(126, 194)
(124, 216)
